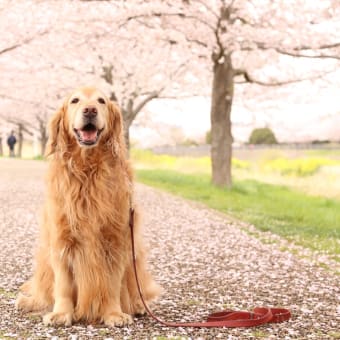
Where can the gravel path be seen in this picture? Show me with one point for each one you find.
(204, 262)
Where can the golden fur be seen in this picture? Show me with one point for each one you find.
(83, 262)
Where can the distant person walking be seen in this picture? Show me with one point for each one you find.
(11, 141)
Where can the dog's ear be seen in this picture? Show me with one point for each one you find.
(117, 130)
(55, 128)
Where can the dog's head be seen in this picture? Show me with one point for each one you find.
(88, 112)
(88, 118)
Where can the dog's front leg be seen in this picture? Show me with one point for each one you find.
(63, 308)
(113, 315)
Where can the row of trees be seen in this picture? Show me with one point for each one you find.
(37, 127)
(145, 50)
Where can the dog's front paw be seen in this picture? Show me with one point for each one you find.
(118, 319)
(27, 303)
(58, 319)
(23, 303)
(139, 309)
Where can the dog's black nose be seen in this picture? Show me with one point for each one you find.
(90, 112)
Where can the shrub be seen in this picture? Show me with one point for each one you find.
(317, 141)
(189, 142)
(262, 136)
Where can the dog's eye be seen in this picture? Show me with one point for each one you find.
(75, 100)
(101, 100)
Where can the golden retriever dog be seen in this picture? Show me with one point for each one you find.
(84, 269)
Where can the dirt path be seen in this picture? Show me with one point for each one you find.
(203, 261)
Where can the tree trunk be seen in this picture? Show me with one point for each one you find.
(127, 121)
(127, 136)
(43, 138)
(221, 137)
(43, 143)
(20, 139)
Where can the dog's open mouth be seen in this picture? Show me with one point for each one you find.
(88, 134)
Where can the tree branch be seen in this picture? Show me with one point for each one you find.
(190, 40)
(302, 55)
(24, 42)
(182, 96)
(321, 47)
(250, 79)
(299, 51)
(216, 56)
(181, 15)
(24, 124)
(4, 96)
(148, 98)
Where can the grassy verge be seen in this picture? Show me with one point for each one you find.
(313, 222)
(314, 172)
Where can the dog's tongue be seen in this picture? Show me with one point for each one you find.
(88, 136)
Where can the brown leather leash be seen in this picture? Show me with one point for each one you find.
(225, 318)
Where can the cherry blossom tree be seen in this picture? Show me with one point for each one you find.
(141, 77)
(138, 51)
(75, 43)
(230, 32)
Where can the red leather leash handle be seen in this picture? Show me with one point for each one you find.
(225, 318)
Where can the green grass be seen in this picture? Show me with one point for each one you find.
(297, 169)
(313, 222)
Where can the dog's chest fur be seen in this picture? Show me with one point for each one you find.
(93, 204)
